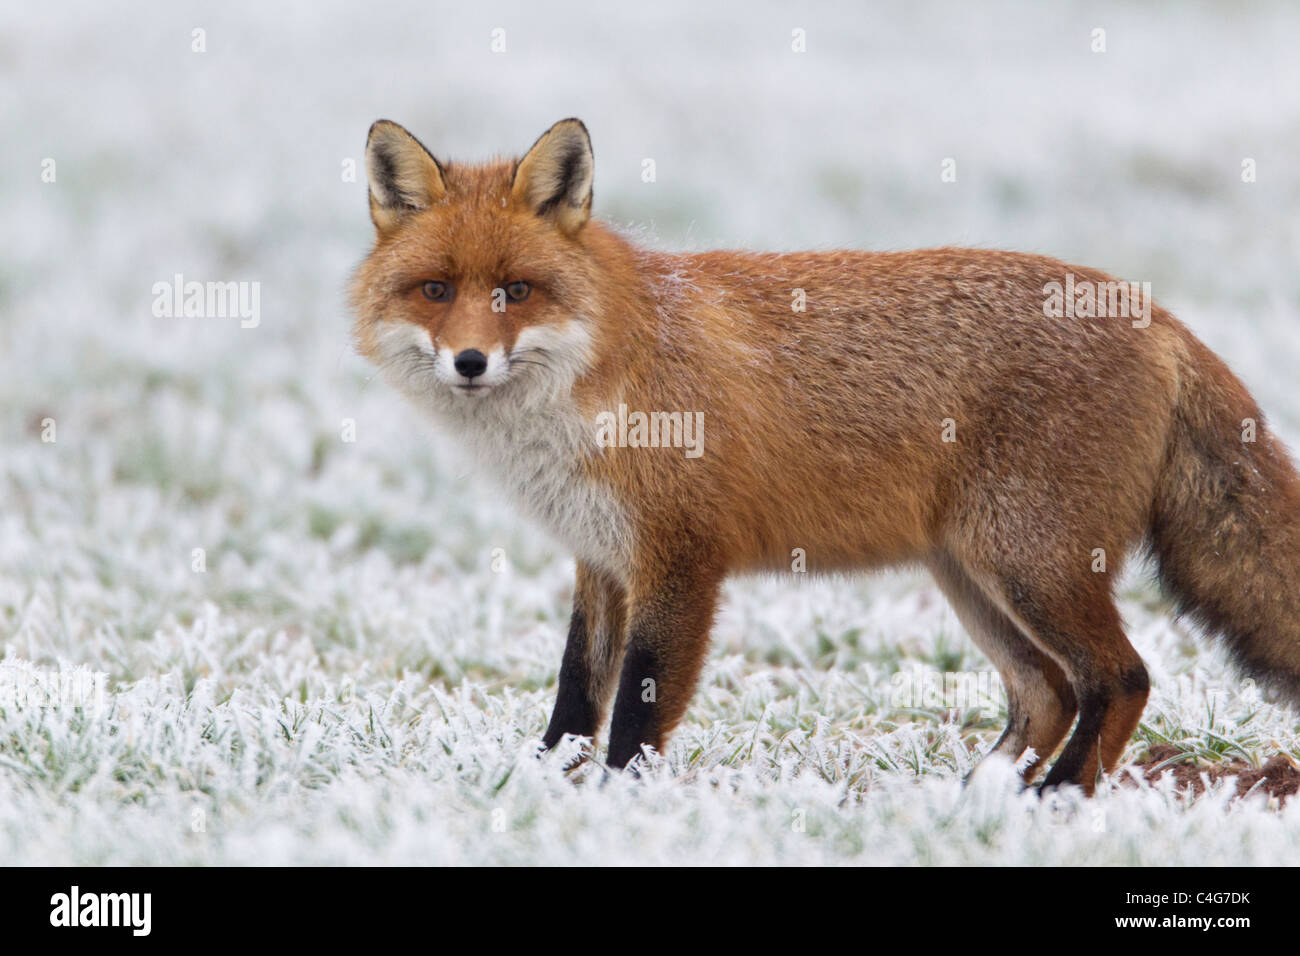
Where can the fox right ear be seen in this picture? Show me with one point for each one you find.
(404, 177)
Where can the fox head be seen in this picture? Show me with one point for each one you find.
(482, 282)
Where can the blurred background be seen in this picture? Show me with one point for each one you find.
(328, 561)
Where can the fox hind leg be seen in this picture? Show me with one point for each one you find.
(1040, 701)
(1074, 620)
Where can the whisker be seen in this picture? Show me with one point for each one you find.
(412, 362)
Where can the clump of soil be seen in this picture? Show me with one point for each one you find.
(1277, 777)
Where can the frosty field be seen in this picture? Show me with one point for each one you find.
(231, 634)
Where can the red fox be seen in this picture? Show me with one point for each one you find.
(856, 409)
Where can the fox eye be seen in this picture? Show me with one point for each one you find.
(436, 291)
(518, 291)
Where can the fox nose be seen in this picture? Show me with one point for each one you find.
(470, 362)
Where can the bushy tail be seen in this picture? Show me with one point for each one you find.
(1225, 527)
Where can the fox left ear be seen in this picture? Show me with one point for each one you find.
(554, 178)
(404, 177)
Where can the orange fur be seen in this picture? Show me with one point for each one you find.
(823, 430)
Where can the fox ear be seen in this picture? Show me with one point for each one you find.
(404, 177)
(554, 178)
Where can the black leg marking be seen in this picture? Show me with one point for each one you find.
(635, 717)
(1086, 737)
(574, 711)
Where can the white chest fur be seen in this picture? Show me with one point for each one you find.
(537, 457)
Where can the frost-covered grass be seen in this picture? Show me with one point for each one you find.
(349, 680)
